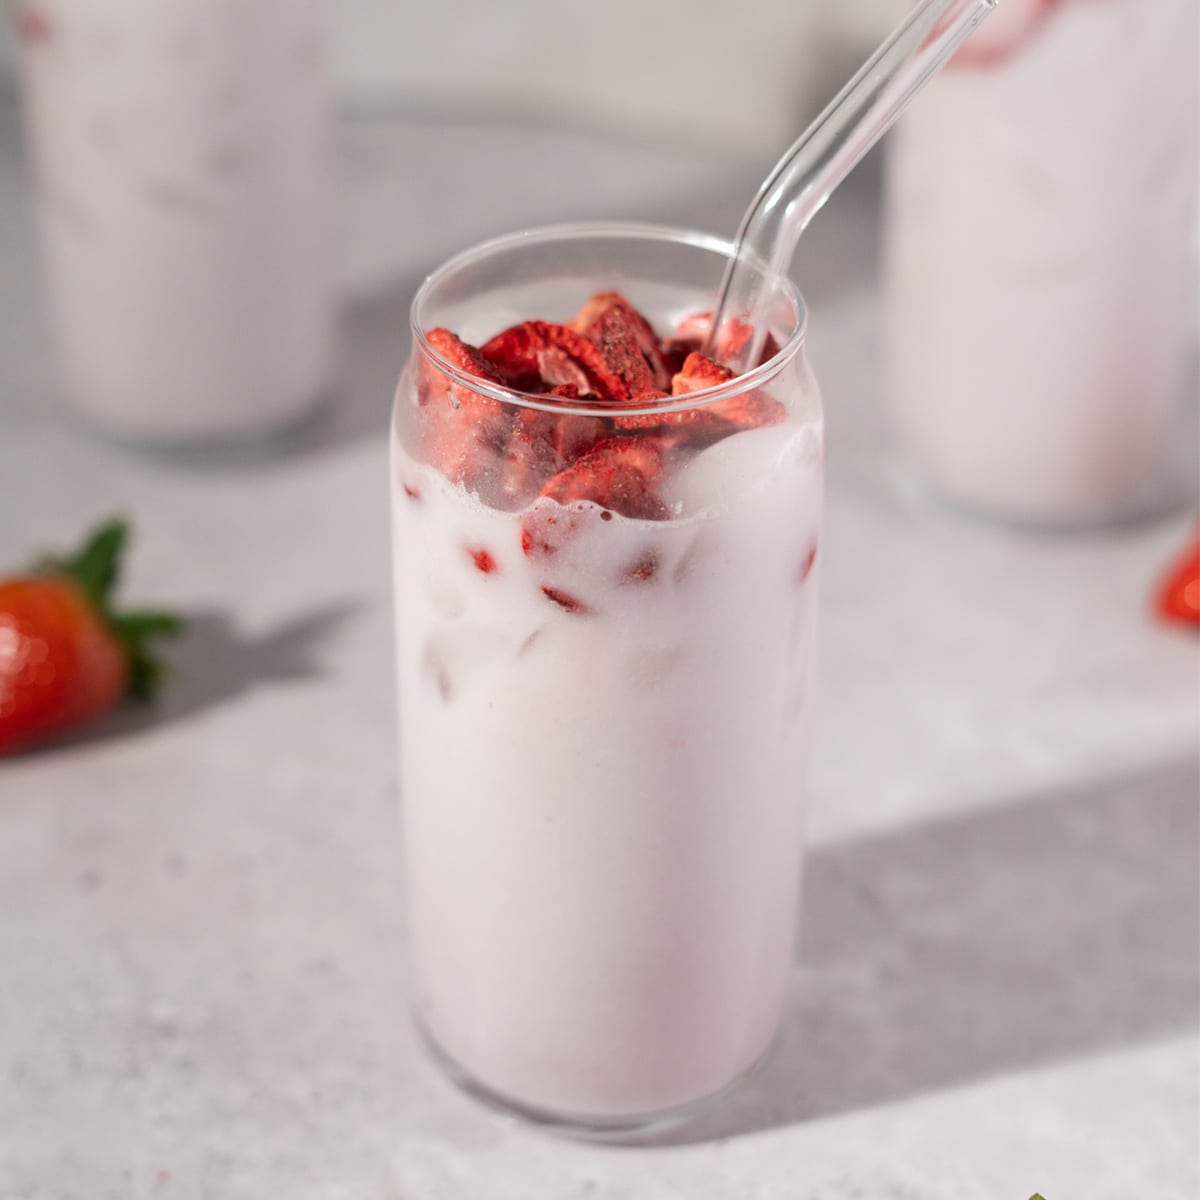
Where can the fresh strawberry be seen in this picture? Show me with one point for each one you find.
(65, 657)
(624, 337)
(464, 432)
(1178, 595)
(537, 355)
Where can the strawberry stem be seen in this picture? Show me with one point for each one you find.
(96, 566)
(95, 569)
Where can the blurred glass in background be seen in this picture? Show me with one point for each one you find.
(179, 151)
(1041, 204)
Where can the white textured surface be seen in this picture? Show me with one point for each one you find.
(202, 980)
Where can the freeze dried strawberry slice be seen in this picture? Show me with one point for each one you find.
(463, 432)
(698, 373)
(747, 410)
(541, 444)
(625, 338)
(538, 355)
(693, 332)
(461, 355)
(696, 428)
(620, 473)
(693, 428)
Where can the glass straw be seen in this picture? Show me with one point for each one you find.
(825, 153)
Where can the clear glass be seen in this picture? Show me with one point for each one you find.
(1040, 246)
(602, 717)
(180, 185)
(825, 153)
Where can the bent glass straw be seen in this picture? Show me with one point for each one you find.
(825, 153)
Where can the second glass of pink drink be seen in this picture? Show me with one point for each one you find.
(179, 157)
(606, 556)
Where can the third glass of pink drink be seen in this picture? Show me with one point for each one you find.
(606, 559)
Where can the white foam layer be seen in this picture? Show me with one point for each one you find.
(602, 807)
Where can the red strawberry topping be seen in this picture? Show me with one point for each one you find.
(1178, 595)
(693, 332)
(698, 373)
(626, 340)
(620, 474)
(537, 355)
(512, 454)
(463, 431)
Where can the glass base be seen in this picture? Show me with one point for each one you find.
(634, 1129)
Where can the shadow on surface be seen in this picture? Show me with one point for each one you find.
(213, 661)
(1004, 940)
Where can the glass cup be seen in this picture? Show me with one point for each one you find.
(180, 185)
(602, 716)
(1040, 213)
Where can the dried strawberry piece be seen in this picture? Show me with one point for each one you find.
(749, 410)
(692, 332)
(565, 600)
(538, 355)
(541, 444)
(463, 431)
(693, 428)
(698, 373)
(696, 428)
(620, 473)
(482, 559)
(625, 338)
(643, 569)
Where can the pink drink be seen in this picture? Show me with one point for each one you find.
(602, 745)
(1040, 212)
(180, 173)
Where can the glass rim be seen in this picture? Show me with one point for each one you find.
(576, 230)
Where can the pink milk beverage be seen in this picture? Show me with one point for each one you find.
(179, 158)
(606, 554)
(1040, 222)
